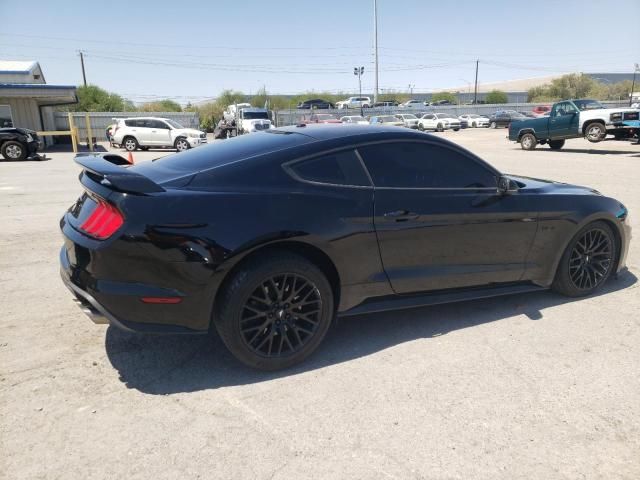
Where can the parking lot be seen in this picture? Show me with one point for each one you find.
(535, 386)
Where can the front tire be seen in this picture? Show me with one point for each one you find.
(439, 128)
(182, 144)
(587, 262)
(421, 127)
(528, 141)
(556, 144)
(130, 144)
(275, 311)
(595, 132)
(13, 150)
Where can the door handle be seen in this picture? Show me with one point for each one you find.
(401, 215)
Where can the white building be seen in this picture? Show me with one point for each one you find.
(26, 100)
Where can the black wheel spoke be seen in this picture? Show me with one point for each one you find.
(281, 315)
(590, 259)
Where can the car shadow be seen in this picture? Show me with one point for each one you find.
(161, 365)
(590, 151)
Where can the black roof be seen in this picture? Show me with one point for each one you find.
(338, 131)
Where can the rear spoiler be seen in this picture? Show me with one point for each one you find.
(111, 172)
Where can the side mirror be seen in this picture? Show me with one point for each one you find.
(506, 185)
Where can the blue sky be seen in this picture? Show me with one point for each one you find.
(192, 50)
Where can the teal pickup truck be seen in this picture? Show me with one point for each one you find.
(574, 119)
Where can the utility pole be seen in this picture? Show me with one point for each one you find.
(84, 75)
(359, 71)
(411, 85)
(375, 48)
(475, 89)
(636, 67)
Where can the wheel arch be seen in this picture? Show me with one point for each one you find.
(308, 251)
(522, 131)
(586, 124)
(608, 219)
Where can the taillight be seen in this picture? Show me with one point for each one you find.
(103, 222)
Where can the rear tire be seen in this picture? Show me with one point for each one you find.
(13, 150)
(420, 127)
(556, 144)
(275, 310)
(130, 144)
(494, 125)
(528, 141)
(587, 262)
(439, 128)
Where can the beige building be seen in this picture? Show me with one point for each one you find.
(26, 100)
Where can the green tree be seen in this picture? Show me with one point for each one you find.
(165, 105)
(95, 99)
(448, 96)
(496, 96)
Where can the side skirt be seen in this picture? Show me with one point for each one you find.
(398, 302)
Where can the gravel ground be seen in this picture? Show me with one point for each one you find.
(526, 387)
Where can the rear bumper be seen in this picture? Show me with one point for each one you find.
(93, 297)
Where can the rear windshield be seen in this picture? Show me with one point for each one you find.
(218, 154)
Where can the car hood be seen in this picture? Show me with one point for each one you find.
(551, 186)
(185, 131)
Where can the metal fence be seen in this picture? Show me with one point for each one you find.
(293, 116)
(99, 121)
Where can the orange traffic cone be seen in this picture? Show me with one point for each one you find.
(130, 158)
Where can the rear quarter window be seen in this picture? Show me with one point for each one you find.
(340, 168)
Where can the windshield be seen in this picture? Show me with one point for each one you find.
(255, 115)
(587, 104)
(174, 124)
(473, 116)
(356, 119)
(409, 116)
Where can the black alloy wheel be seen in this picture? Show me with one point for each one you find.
(275, 310)
(591, 259)
(587, 262)
(281, 315)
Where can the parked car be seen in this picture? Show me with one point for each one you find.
(18, 143)
(438, 103)
(315, 104)
(475, 120)
(146, 132)
(502, 118)
(409, 119)
(320, 118)
(527, 114)
(410, 220)
(354, 102)
(438, 122)
(388, 103)
(388, 120)
(574, 119)
(412, 104)
(357, 119)
(540, 110)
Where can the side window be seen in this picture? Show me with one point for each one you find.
(130, 123)
(341, 168)
(159, 124)
(422, 165)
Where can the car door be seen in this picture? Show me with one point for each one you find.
(440, 221)
(160, 133)
(563, 121)
(143, 131)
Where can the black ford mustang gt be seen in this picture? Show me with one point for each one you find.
(269, 236)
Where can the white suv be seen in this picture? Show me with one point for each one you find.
(145, 132)
(354, 102)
